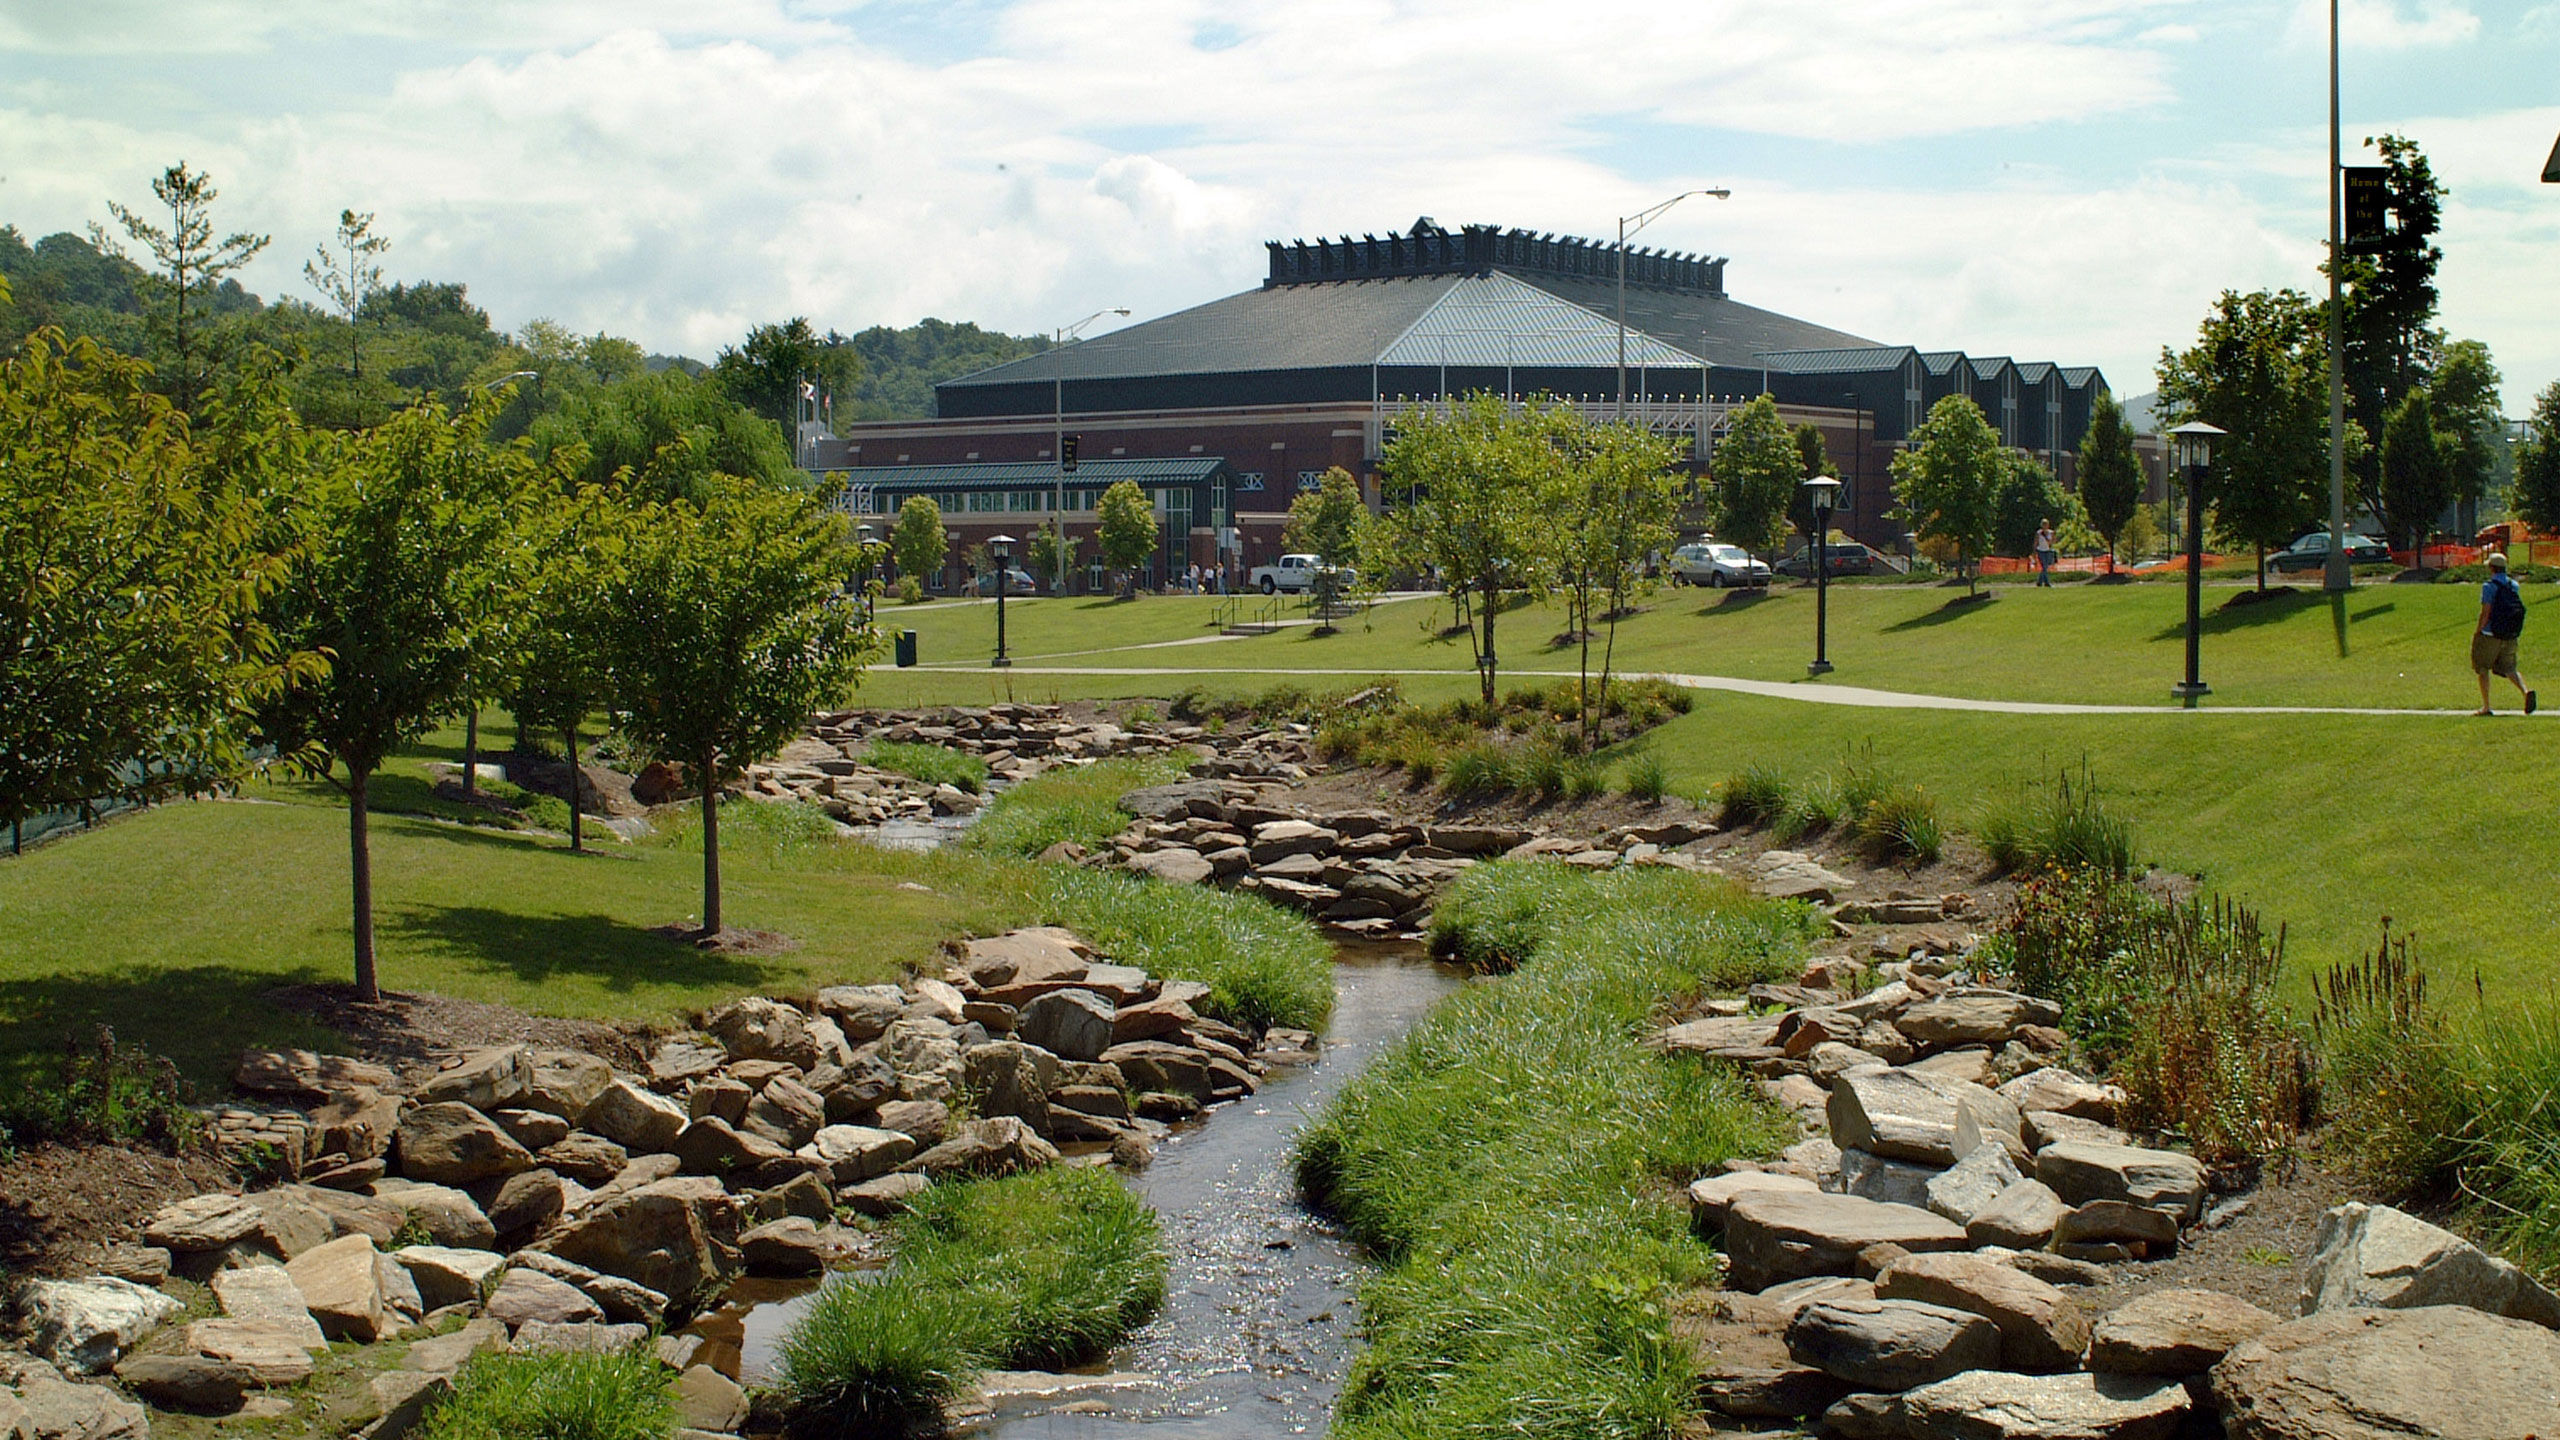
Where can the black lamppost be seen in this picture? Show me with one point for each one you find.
(1824, 492)
(863, 540)
(1001, 546)
(2191, 449)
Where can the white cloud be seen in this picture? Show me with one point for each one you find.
(2386, 24)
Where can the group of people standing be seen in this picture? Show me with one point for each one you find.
(1204, 579)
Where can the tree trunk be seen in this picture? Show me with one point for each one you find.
(2262, 568)
(1582, 692)
(360, 859)
(1484, 657)
(471, 754)
(1608, 652)
(710, 848)
(575, 841)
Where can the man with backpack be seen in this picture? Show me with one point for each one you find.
(2493, 644)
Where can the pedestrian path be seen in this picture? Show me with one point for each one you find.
(1853, 696)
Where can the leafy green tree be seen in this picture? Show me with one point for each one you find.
(558, 677)
(2536, 497)
(1467, 492)
(1325, 522)
(347, 275)
(193, 266)
(2392, 343)
(765, 371)
(2465, 396)
(132, 567)
(2417, 468)
(2109, 475)
(1948, 480)
(2259, 370)
(917, 541)
(2028, 496)
(1128, 525)
(661, 436)
(1757, 470)
(1617, 500)
(725, 628)
(901, 367)
(408, 538)
(1814, 456)
(1050, 552)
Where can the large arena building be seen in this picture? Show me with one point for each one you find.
(1226, 411)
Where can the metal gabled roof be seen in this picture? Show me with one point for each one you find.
(2033, 372)
(1716, 328)
(1941, 361)
(1989, 367)
(1856, 360)
(1289, 327)
(1177, 470)
(2078, 377)
(1488, 320)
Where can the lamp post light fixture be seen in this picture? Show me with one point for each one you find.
(2191, 449)
(1824, 492)
(1001, 547)
(1629, 225)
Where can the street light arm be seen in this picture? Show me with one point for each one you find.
(1068, 332)
(1630, 224)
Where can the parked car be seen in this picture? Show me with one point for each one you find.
(1716, 566)
(1016, 582)
(2311, 552)
(1296, 573)
(1848, 557)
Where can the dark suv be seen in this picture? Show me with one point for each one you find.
(1848, 557)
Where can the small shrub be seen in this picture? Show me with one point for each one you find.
(1647, 779)
(620, 1395)
(2213, 1056)
(2071, 938)
(932, 764)
(548, 812)
(1756, 796)
(910, 590)
(1811, 810)
(102, 1093)
(2070, 829)
(1541, 769)
(1901, 825)
(1478, 771)
(1585, 778)
(1079, 805)
(2389, 1074)
(1141, 715)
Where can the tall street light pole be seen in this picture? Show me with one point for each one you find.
(2191, 447)
(1001, 548)
(1629, 225)
(2338, 575)
(1058, 441)
(1824, 492)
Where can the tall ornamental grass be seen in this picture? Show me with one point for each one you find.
(617, 1395)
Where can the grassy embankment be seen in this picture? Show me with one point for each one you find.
(173, 926)
(1514, 1162)
(620, 1395)
(1040, 1271)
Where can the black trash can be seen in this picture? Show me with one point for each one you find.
(906, 648)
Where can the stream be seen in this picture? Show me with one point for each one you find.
(1259, 1320)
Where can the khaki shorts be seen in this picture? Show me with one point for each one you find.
(2493, 656)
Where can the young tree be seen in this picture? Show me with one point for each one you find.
(2028, 496)
(2417, 470)
(408, 537)
(1128, 525)
(558, 676)
(917, 541)
(1948, 478)
(2537, 491)
(2465, 396)
(1618, 497)
(1467, 489)
(725, 627)
(1049, 551)
(1325, 521)
(191, 263)
(2110, 477)
(765, 372)
(1814, 458)
(2258, 369)
(1757, 470)
(132, 568)
(347, 276)
(659, 436)
(2392, 343)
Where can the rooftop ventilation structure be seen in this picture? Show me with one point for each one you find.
(1428, 249)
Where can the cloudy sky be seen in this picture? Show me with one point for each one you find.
(2054, 179)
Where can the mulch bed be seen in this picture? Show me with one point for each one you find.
(60, 1204)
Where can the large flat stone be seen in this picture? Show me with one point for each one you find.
(1974, 1017)
(266, 1295)
(1711, 1197)
(2041, 1329)
(276, 1352)
(342, 1283)
(2174, 1332)
(527, 1295)
(1996, 1405)
(86, 1326)
(1771, 1238)
(1891, 1344)
(2021, 1217)
(2440, 1370)
(2080, 1172)
(446, 1276)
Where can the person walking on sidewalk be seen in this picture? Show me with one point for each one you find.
(2044, 555)
(2493, 641)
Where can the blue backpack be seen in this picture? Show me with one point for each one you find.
(2506, 607)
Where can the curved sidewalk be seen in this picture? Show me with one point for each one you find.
(1805, 692)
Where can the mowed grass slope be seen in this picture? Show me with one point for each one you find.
(2381, 646)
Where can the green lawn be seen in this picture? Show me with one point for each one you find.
(2387, 646)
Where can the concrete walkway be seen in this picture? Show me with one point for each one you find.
(1806, 692)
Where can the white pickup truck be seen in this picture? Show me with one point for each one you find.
(1294, 573)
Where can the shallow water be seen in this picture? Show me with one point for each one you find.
(1258, 1323)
